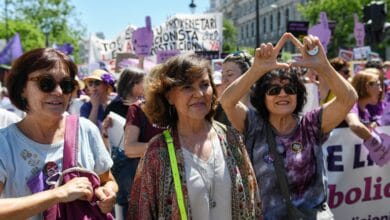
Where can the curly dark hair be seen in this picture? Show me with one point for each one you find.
(258, 92)
(32, 61)
(176, 71)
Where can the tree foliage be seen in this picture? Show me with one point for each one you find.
(31, 18)
(229, 36)
(340, 11)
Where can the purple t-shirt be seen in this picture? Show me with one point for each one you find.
(303, 162)
(364, 115)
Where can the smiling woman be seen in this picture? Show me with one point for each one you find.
(284, 146)
(214, 175)
(32, 150)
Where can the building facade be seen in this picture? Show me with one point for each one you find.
(273, 17)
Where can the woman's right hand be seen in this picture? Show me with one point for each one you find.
(77, 188)
(265, 58)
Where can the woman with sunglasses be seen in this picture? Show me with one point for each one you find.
(99, 84)
(278, 97)
(41, 83)
(360, 119)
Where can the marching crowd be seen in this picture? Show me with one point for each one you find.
(195, 144)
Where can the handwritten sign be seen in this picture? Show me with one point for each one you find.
(143, 39)
(321, 30)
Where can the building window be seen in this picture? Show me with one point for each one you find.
(264, 25)
(278, 20)
(242, 32)
(271, 22)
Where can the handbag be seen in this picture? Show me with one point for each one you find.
(293, 212)
(78, 209)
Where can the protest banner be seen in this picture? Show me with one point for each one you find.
(358, 188)
(357, 65)
(195, 32)
(322, 30)
(361, 53)
(347, 55)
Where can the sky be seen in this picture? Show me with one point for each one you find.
(112, 16)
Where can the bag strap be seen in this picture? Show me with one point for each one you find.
(70, 142)
(279, 169)
(175, 173)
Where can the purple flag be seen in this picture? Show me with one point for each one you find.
(11, 51)
(66, 48)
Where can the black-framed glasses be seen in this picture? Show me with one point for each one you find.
(276, 89)
(94, 82)
(47, 83)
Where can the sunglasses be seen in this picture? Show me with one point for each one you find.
(47, 83)
(92, 83)
(276, 89)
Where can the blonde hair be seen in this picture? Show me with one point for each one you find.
(360, 80)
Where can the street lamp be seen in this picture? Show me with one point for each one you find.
(192, 6)
(46, 28)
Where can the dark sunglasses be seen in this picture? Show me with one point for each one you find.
(276, 89)
(47, 83)
(92, 83)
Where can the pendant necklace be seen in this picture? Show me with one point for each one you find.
(210, 190)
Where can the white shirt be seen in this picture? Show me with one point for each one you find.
(199, 177)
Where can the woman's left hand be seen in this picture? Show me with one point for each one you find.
(315, 61)
(106, 197)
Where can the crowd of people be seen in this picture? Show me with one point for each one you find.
(193, 144)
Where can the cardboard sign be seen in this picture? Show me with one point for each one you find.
(163, 56)
(321, 30)
(359, 31)
(143, 39)
(347, 55)
(361, 53)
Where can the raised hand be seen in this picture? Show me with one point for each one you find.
(265, 58)
(143, 39)
(358, 31)
(315, 61)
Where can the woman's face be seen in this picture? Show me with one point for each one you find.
(138, 89)
(230, 72)
(96, 87)
(50, 104)
(374, 89)
(281, 98)
(193, 100)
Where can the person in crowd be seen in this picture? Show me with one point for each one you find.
(369, 89)
(41, 83)
(342, 67)
(100, 84)
(233, 66)
(216, 178)
(78, 98)
(130, 90)
(7, 118)
(278, 97)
